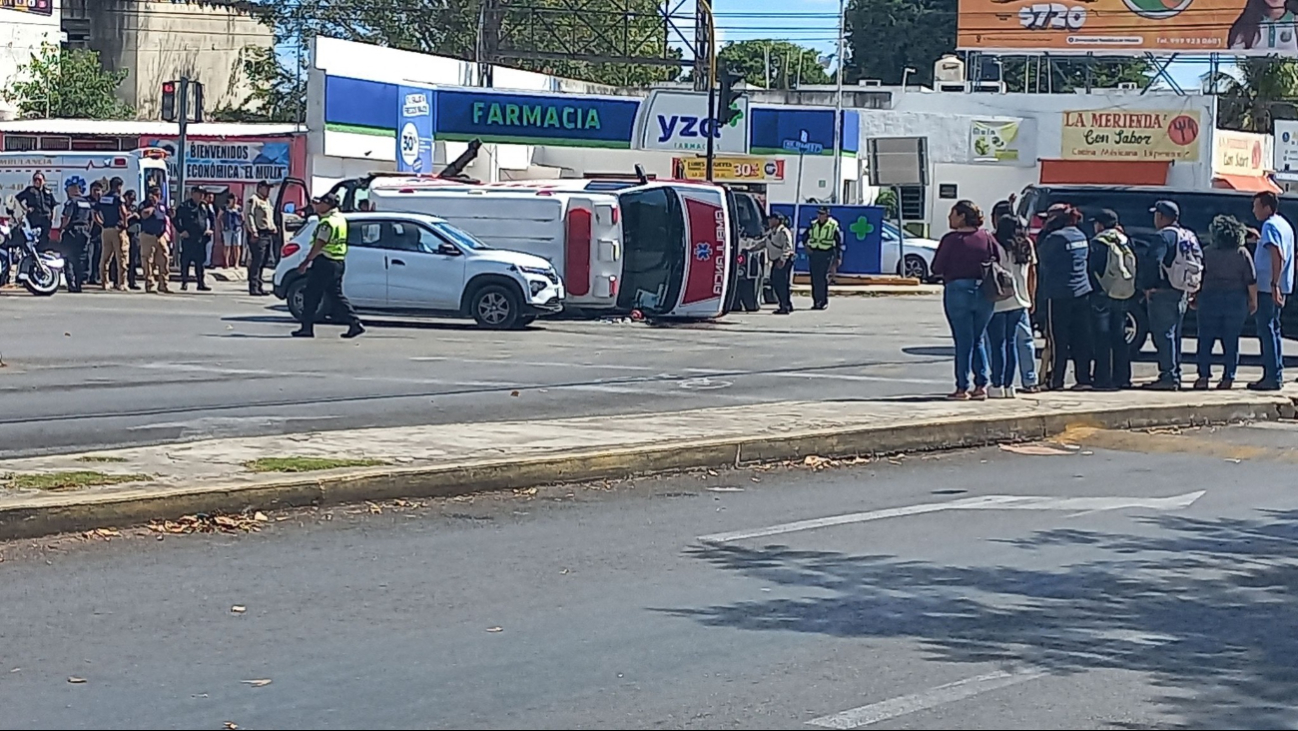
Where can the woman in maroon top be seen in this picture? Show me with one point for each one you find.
(959, 261)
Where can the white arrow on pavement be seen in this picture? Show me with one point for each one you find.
(988, 502)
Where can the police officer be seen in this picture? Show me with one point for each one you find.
(114, 246)
(261, 218)
(74, 233)
(154, 242)
(94, 250)
(132, 233)
(824, 244)
(324, 267)
(779, 249)
(193, 226)
(38, 205)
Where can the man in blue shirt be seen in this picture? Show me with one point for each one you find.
(1273, 261)
(114, 244)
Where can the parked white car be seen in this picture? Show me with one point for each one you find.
(919, 254)
(414, 264)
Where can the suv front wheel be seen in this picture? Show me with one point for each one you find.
(497, 307)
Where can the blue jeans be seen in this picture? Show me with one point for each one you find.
(1025, 341)
(1002, 334)
(1221, 317)
(1268, 331)
(1166, 315)
(968, 312)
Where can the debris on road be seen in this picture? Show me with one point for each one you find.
(75, 680)
(209, 523)
(238, 609)
(259, 683)
(495, 629)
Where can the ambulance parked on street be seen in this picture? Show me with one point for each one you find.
(667, 249)
(138, 169)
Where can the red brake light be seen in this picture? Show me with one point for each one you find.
(290, 249)
(616, 215)
(576, 274)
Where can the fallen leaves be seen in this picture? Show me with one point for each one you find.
(75, 680)
(209, 523)
(818, 463)
(259, 683)
(105, 533)
(525, 492)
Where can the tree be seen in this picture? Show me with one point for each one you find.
(789, 63)
(67, 85)
(1255, 94)
(277, 91)
(885, 37)
(451, 28)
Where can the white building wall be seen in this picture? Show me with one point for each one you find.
(21, 35)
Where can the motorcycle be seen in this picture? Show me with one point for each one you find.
(39, 271)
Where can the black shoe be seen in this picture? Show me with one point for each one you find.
(356, 330)
(303, 334)
(1264, 386)
(819, 306)
(1162, 386)
(135, 287)
(204, 288)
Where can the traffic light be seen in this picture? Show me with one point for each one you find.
(169, 90)
(728, 109)
(196, 110)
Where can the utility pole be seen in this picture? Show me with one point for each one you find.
(182, 116)
(838, 106)
(713, 126)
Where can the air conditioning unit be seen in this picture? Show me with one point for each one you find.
(1128, 85)
(870, 82)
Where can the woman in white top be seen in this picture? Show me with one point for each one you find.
(1011, 315)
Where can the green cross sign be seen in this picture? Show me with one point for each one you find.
(739, 115)
(862, 227)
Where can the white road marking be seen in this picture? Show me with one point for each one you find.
(931, 698)
(989, 502)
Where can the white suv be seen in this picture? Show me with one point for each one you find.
(412, 264)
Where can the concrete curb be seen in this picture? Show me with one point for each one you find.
(80, 513)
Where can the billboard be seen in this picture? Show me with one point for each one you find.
(415, 131)
(1122, 27)
(1003, 141)
(1130, 134)
(1241, 153)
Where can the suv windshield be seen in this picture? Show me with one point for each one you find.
(459, 236)
(654, 264)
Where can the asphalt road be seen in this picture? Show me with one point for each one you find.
(1151, 587)
(115, 369)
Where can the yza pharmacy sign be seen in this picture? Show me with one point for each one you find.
(679, 120)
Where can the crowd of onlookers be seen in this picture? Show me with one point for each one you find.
(110, 239)
(1089, 276)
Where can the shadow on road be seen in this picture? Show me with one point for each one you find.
(1207, 609)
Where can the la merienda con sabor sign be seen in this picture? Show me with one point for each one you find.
(1121, 134)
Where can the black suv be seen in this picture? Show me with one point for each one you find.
(1132, 204)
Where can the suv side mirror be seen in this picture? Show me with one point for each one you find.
(448, 250)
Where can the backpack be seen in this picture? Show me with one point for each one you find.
(1186, 272)
(1119, 278)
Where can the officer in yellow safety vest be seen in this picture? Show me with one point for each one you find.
(824, 244)
(324, 267)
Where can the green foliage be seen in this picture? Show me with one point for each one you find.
(67, 85)
(1070, 74)
(450, 28)
(1259, 91)
(887, 36)
(277, 95)
(790, 63)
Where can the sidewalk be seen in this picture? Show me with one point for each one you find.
(170, 480)
(871, 290)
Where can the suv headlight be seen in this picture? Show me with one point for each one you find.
(547, 272)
